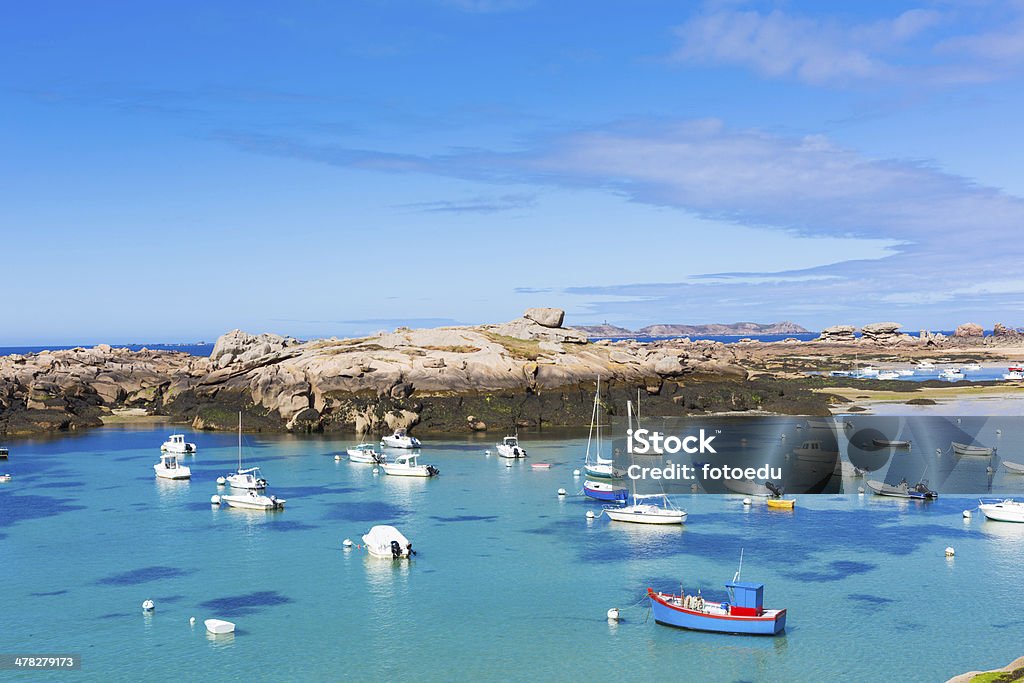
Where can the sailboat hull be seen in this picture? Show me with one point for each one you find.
(628, 514)
(603, 491)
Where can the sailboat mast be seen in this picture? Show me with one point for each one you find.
(239, 440)
(597, 415)
(593, 414)
(629, 419)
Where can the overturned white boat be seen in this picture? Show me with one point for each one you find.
(176, 444)
(366, 453)
(219, 627)
(388, 542)
(510, 448)
(253, 500)
(170, 468)
(408, 466)
(400, 439)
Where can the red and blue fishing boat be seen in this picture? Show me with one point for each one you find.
(743, 613)
(602, 490)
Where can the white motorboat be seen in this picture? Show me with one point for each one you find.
(250, 479)
(170, 468)
(952, 374)
(866, 372)
(400, 440)
(1008, 510)
(926, 365)
(1014, 467)
(919, 491)
(366, 453)
(219, 626)
(648, 509)
(4, 453)
(811, 451)
(1013, 374)
(176, 444)
(887, 374)
(5, 477)
(510, 448)
(407, 465)
(388, 542)
(966, 449)
(971, 367)
(253, 500)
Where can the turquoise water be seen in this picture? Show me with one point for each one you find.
(511, 581)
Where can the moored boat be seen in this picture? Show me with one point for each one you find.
(250, 479)
(388, 542)
(1008, 510)
(968, 449)
(648, 509)
(811, 451)
(919, 491)
(253, 500)
(743, 613)
(176, 444)
(365, 453)
(782, 503)
(595, 465)
(170, 468)
(888, 374)
(1013, 375)
(407, 465)
(4, 453)
(219, 627)
(952, 374)
(971, 367)
(604, 490)
(5, 477)
(400, 439)
(510, 448)
(1014, 467)
(890, 443)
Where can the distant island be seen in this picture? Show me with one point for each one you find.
(714, 329)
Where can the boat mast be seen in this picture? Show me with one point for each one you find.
(629, 419)
(737, 576)
(239, 440)
(597, 415)
(593, 414)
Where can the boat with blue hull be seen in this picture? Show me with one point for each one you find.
(743, 614)
(602, 490)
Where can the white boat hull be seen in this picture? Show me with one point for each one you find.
(964, 449)
(254, 502)
(177, 473)
(1014, 467)
(219, 627)
(640, 516)
(395, 471)
(511, 452)
(399, 442)
(1007, 511)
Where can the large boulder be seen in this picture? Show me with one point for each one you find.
(969, 330)
(837, 333)
(240, 347)
(1001, 330)
(882, 333)
(548, 317)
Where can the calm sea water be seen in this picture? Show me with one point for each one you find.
(511, 581)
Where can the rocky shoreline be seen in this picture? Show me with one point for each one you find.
(528, 373)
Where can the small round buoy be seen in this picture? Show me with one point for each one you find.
(214, 500)
(989, 470)
(508, 463)
(860, 489)
(191, 621)
(575, 473)
(221, 481)
(376, 470)
(487, 452)
(949, 551)
(783, 437)
(590, 514)
(938, 451)
(746, 501)
(967, 514)
(148, 606)
(561, 492)
(999, 432)
(347, 543)
(337, 458)
(613, 614)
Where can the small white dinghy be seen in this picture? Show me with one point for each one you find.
(1014, 467)
(219, 626)
(388, 542)
(966, 449)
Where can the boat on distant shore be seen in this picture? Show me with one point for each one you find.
(400, 439)
(407, 465)
(743, 613)
(176, 444)
(952, 374)
(1008, 510)
(919, 491)
(510, 448)
(366, 453)
(170, 468)
(971, 367)
(888, 374)
(967, 449)
(1013, 375)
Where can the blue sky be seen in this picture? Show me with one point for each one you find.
(172, 171)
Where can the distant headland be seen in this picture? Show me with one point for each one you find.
(673, 330)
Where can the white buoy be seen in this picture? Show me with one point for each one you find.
(783, 437)
(347, 543)
(561, 492)
(191, 621)
(487, 452)
(613, 614)
(337, 458)
(376, 470)
(999, 432)
(508, 463)
(949, 551)
(148, 606)
(590, 514)
(221, 481)
(967, 514)
(746, 501)
(860, 489)
(575, 473)
(989, 470)
(214, 500)
(938, 451)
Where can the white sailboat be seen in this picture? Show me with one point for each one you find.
(250, 478)
(597, 466)
(646, 509)
(170, 468)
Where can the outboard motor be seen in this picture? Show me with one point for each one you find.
(776, 490)
(409, 551)
(396, 550)
(433, 470)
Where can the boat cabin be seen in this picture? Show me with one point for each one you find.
(747, 598)
(176, 438)
(409, 460)
(169, 461)
(511, 441)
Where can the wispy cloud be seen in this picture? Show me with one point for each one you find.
(488, 6)
(481, 204)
